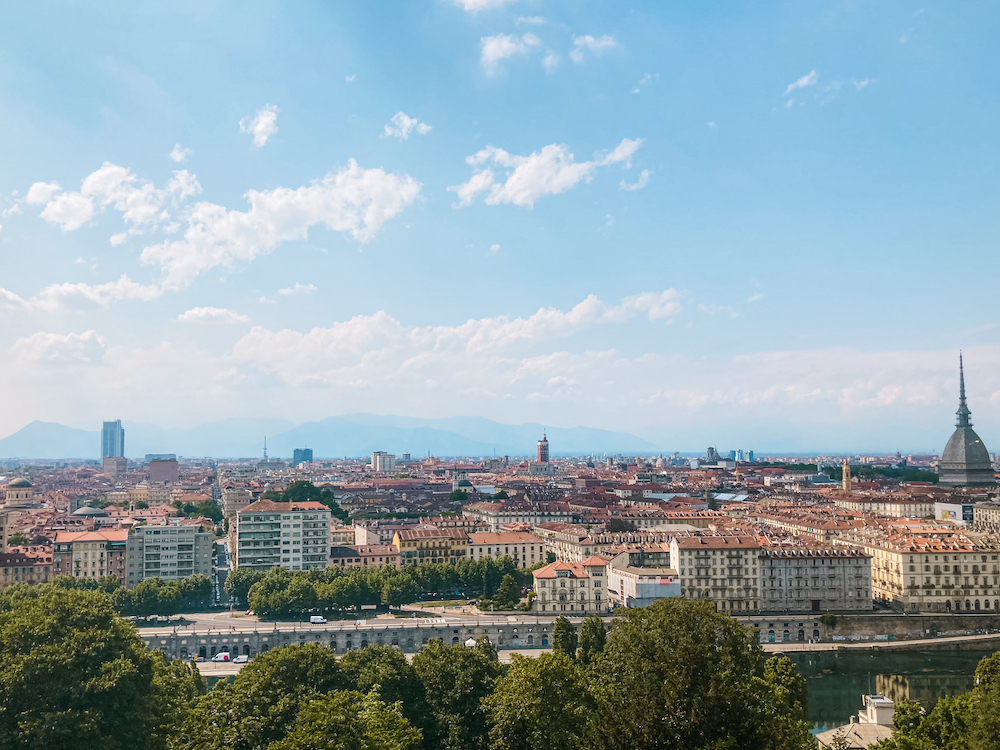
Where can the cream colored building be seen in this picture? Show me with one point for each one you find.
(577, 588)
(897, 507)
(525, 549)
(720, 568)
(573, 543)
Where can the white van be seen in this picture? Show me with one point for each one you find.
(221, 656)
(317, 620)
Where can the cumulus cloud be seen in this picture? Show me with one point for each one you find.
(499, 47)
(262, 125)
(402, 125)
(211, 315)
(494, 248)
(809, 79)
(638, 184)
(292, 291)
(584, 44)
(179, 154)
(547, 172)
(60, 349)
(41, 193)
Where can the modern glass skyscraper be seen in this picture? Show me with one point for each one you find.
(113, 439)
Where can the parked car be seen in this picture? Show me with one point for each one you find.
(241, 659)
(317, 620)
(221, 656)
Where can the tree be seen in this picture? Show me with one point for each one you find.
(176, 685)
(18, 540)
(501, 495)
(564, 638)
(459, 496)
(239, 582)
(550, 557)
(677, 674)
(829, 619)
(509, 592)
(73, 674)
(348, 720)
(780, 670)
(386, 669)
(455, 680)
(540, 704)
(261, 704)
(593, 636)
(399, 590)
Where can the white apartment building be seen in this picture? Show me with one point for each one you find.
(168, 551)
(294, 536)
(579, 587)
(639, 586)
(382, 461)
(525, 549)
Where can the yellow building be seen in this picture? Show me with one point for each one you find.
(431, 545)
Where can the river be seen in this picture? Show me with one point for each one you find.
(837, 680)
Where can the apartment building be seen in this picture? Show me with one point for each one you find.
(897, 507)
(25, 565)
(721, 568)
(525, 549)
(572, 587)
(496, 514)
(631, 583)
(168, 551)
(364, 556)
(294, 536)
(986, 517)
(802, 577)
(234, 499)
(418, 546)
(574, 543)
(90, 554)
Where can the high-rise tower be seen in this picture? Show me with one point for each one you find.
(112, 439)
(543, 450)
(965, 461)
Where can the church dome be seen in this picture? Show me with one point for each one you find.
(19, 483)
(965, 461)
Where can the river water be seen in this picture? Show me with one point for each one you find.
(837, 680)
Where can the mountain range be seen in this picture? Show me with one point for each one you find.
(349, 435)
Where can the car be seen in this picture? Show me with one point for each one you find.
(221, 656)
(249, 612)
(241, 659)
(317, 620)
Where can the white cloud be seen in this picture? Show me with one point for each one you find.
(809, 79)
(858, 85)
(638, 184)
(474, 6)
(403, 125)
(80, 295)
(584, 44)
(494, 248)
(529, 20)
(179, 154)
(12, 211)
(354, 201)
(351, 77)
(550, 62)
(297, 289)
(547, 172)
(501, 46)
(211, 315)
(262, 125)
(119, 238)
(53, 348)
(41, 193)
(756, 297)
(140, 202)
(712, 125)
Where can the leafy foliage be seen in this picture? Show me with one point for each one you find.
(593, 637)
(564, 638)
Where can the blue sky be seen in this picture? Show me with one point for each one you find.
(766, 227)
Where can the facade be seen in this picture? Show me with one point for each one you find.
(294, 536)
(893, 505)
(163, 470)
(364, 556)
(168, 551)
(234, 499)
(302, 456)
(543, 450)
(382, 461)
(114, 466)
(25, 565)
(720, 568)
(815, 578)
(965, 461)
(90, 554)
(573, 543)
(631, 584)
(525, 549)
(580, 587)
(112, 439)
(418, 546)
(986, 517)
(958, 512)
(496, 514)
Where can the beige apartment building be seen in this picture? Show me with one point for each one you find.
(572, 587)
(719, 568)
(168, 551)
(799, 577)
(573, 543)
(897, 507)
(90, 554)
(525, 549)
(429, 545)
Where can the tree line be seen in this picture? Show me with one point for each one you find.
(151, 596)
(676, 675)
(281, 593)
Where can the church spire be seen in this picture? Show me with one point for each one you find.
(963, 412)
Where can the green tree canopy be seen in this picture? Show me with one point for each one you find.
(593, 636)
(386, 669)
(18, 540)
(540, 704)
(239, 581)
(564, 638)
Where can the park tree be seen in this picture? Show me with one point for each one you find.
(678, 675)
(780, 670)
(455, 680)
(239, 582)
(540, 704)
(399, 589)
(386, 669)
(348, 720)
(593, 636)
(262, 702)
(176, 684)
(509, 592)
(73, 674)
(564, 638)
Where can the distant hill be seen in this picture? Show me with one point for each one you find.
(334, 437)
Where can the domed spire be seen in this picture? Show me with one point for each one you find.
(963, 412)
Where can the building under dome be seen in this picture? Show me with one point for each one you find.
(965, 461)
(19, 493)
